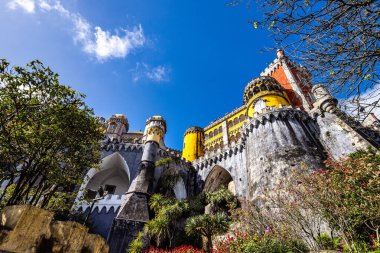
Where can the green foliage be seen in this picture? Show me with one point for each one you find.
(164, 161)
(137, 245)
(355, 182)
(169, 180)
(167, 221)
(48, 136)
(356, 247)
(247, 243)
(221, 200)
(327, 243)
(207, 225)
(169, 224)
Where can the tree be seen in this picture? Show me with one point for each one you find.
(221, 200)
(167, 215)
(207, 225)
(170, 214)
(338, 41)
(48, 137)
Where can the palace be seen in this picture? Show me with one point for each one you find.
(285, 123)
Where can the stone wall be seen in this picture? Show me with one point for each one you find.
(339, 138)
(276, 143)
(232, 160)
(30, 229)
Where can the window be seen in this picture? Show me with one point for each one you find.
(110, 188)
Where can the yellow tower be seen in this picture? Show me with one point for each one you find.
(155, 130)
(264, 92)
(193, 143)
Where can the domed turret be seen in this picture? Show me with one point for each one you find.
(193, 143)
(264, 92)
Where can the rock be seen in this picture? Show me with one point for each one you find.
(30, 229)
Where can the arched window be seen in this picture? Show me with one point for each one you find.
(236, 120)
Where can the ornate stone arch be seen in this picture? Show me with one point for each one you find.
(219, 177)
(113, 171)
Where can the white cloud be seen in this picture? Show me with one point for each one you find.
(368, 100)
(94, 40)
(144, 71)
(26, 5)
(106, 45)
(159, 73)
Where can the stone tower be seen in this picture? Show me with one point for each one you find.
(277, 137)
(117, 125)
(134, 212)
(193, 143)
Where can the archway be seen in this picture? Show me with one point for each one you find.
(113, 175)
(219, 177)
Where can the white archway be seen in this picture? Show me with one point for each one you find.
(114, 171)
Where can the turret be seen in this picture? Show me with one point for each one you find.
(323, 99)
(134, 212)
(264, 92)
(193, 143)
(155, 130)
(117, 125)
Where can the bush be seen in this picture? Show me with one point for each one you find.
(180, 249)
(325, 242)
(259, 244)
(137, 245)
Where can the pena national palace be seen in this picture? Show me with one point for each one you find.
(284, 123)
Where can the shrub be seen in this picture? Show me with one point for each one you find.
(180, 249)
(246, 243)
(137, 245)
(327, 243)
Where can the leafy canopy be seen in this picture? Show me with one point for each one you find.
(48, 136)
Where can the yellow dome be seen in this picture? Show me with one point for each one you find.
(262, 92)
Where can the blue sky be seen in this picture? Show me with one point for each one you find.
(186, 60)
